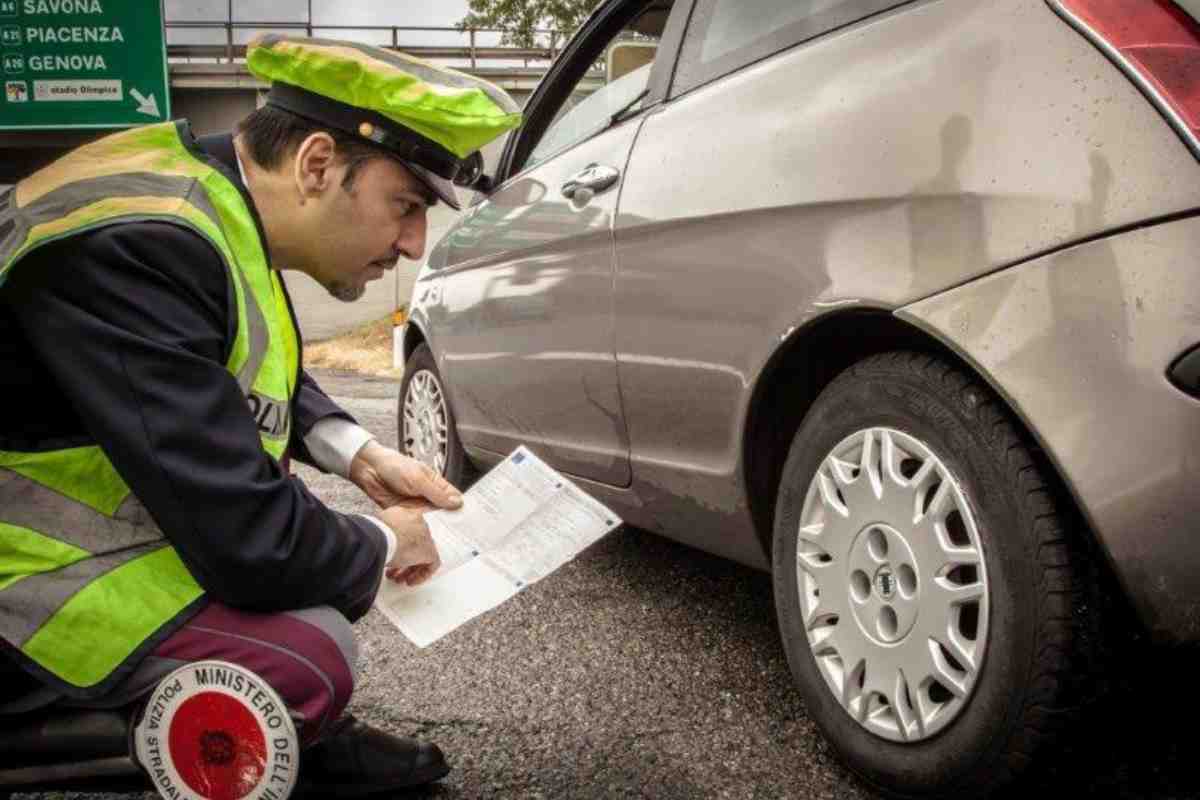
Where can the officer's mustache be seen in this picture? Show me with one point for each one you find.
(387, 262)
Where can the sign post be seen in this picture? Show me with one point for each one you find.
(82, 64)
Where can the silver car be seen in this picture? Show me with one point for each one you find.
(897, 300)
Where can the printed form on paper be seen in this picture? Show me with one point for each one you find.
(518, 524)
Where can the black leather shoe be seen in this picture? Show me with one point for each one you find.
(355, 759)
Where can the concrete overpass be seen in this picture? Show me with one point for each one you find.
(211, 87)
(215, 95)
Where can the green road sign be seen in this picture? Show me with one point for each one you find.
(82, 63)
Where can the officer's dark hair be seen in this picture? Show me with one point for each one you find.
(272, 134)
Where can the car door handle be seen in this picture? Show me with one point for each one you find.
(593, 179)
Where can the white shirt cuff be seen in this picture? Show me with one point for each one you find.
(333, 443)
(387, 534)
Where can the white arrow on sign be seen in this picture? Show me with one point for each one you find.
(146, 105)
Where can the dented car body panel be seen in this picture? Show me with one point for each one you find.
(886, 168)
(1076, 342)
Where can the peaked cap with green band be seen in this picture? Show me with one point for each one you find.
(427, 115)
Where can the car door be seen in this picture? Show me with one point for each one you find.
(526, 328)
(719, 244)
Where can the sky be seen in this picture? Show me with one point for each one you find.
(333, 12)
(437, 13)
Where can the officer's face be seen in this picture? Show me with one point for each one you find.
(360, 231)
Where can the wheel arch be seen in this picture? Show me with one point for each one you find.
(414, 337)
(809, 360)
(792, 379)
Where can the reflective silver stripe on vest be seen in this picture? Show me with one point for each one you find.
(16, 223)
(31, 505)
(73, 196)
(13, 228)
(257, 333)
(30, 602)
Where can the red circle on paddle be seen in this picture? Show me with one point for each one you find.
(217, 746)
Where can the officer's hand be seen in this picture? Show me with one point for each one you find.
(389, 477)
(416, 557)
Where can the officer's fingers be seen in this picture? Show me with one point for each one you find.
(407, 473)
(411, 503)
(429, 554)
(438, 490)
(430, 558)
(384, 498)
(410, 575)
(416, 575)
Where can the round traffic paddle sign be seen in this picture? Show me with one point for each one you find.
(217, 731)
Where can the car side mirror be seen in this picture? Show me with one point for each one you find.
(470, 171)
(490, 153)
(471, 175)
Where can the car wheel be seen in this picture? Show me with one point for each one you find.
(426, 423)
(924, 580)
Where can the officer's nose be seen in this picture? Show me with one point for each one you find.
(411, 242)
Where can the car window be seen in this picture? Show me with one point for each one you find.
(611, 76)
(591, 114)
(725, 35)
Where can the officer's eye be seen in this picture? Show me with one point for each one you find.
(406, 206)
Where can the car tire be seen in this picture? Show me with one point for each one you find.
(1030, 576)
(425, 420)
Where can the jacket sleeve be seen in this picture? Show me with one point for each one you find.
(310, 405)
(132, 323)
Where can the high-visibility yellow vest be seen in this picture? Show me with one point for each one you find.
(86, 577)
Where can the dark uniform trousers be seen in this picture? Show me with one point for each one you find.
(308, 657)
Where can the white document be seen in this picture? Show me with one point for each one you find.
(518, 524)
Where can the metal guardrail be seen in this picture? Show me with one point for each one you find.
(229, 51)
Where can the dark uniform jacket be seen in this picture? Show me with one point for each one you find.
(119, 337)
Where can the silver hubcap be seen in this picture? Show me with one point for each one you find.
(893, 585)
(425, 415)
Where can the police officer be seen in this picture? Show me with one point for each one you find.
(153, 392)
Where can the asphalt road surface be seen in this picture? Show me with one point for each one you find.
(648, 669)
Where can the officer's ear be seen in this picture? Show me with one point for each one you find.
(313, 165)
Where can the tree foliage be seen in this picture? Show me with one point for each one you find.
(521, 19)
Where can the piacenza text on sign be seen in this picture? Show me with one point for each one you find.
(68, 34)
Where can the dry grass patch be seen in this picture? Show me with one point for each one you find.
(367, 350)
